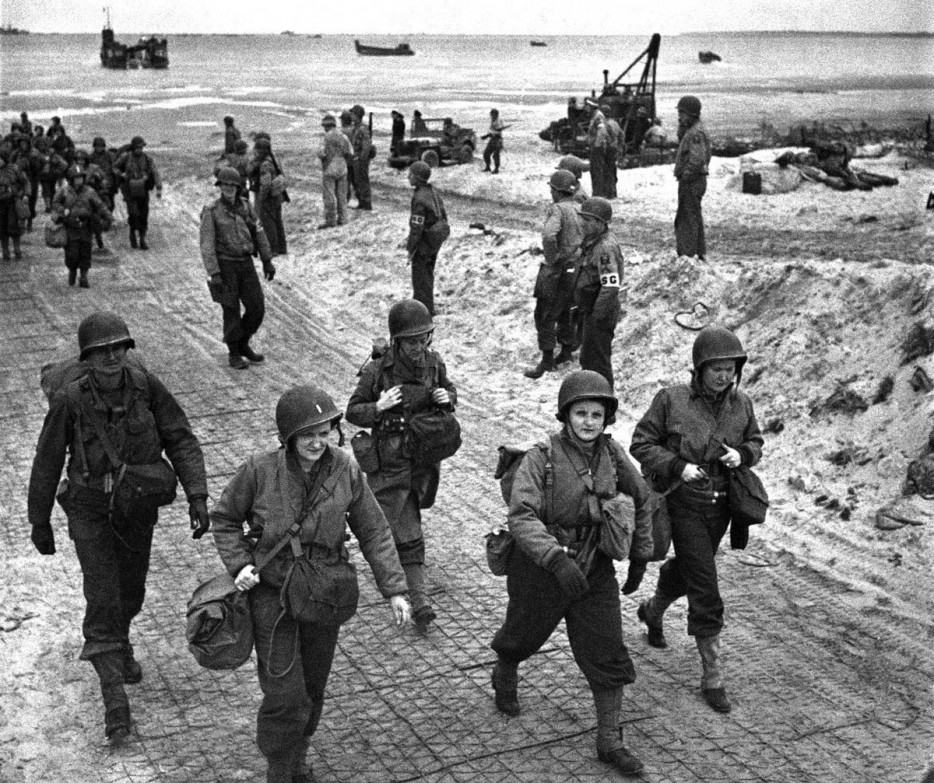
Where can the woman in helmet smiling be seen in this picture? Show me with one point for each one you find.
(311, 483)
(687, 442)
(561, 494)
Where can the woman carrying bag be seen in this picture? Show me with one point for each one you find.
(304, 494)
(689, 441)
(577, 503)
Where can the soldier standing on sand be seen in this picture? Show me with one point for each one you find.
(347, 130)
(362, 144)
(139, 175)
(691, 162)
(231, 135)
(14, 185)
(597, 293)
(428, 229)
(554, 291)
(398, 132)
(230, 237)
(103, 158)
(269, 191)
(494, 144)
(333, 152)
(237, 160)
(30, 163)
(114, 420)
(79, 207)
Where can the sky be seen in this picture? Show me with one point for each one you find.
(519, 17)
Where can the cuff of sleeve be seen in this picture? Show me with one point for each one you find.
(677, 468)
(746, 455)
(238, 566)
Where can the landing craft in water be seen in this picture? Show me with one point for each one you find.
(400, 50)
(148, 52)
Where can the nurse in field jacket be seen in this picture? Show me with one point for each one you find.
(311, 481)
(687, 442)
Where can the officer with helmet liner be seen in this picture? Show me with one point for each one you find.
(691, 166)
(563, 493)
(554, 285)
(687, 442)
(83, 212)
(309, 473)
(111, 418)
(599, 287)
(230, 237)
(407, 378)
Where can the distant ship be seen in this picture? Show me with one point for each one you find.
(148, 52)
(538, 43)
(708, 57)
(8, 29)
(400, 50)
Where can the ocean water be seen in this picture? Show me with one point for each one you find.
(284, 82)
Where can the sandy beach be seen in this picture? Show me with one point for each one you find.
(822, 286)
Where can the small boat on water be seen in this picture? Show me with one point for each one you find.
(148, 52)
(8, 29)
(400, 50)
(538, 43)
(708, 57)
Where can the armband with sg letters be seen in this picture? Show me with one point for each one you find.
(611, 280)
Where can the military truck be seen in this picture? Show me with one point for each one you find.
(436, 141)
(630, 104)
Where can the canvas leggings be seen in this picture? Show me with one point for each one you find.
(334, 193)
(689, 220)
(594, 622)
(292, 703)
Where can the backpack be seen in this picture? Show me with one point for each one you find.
(437, 233)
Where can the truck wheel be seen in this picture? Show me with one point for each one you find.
(431, 158)
(465, 154)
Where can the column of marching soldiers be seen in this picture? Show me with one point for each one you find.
(576, 501)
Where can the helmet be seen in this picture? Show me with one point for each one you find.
(717, 342)
(99, 142)
(421, 170)
(563, 181)
(100, 329)
(302, 407)
(81, 155)
(586, 385)
(137, 141)
(76, 171)
(240, 146)
(409, 318)
(357, 110)
(690, 105)
(261, 135)
(228, 120)
(346, 118)
(328, 119)
(573, 164)
(228, 175)
(262, 143)
(598, 208)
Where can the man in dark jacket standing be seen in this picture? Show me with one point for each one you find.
(139, 175)
(115, 419)
(362, 144)
(230, 237)
(428, 229)
(691, 162)
(231, 135)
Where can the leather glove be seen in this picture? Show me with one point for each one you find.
(570, 577)
(43, 539)
(200, 521)
(634, 577)
(269, 270)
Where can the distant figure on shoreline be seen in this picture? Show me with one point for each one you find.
(333, 152)
(231, 135)
(691, 162)
(494, 144)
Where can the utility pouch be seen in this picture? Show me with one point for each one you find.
(63, 496)
(619, 522)
(365, 451)
(321, 591)
(143, 487)
(499, 546)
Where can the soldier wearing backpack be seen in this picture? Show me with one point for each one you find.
(138, 175)
(408, 378)
(428, 230)
(576, 504)
(114, 421)
(81, 210)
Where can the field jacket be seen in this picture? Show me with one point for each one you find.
(227, 234)
(544, 520)
(693, 155)
(268, 493)
(562, 233)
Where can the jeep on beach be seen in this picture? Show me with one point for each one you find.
(435, 141)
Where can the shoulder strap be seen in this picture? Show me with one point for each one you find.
(291, 535)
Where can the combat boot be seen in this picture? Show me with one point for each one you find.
(142, 241)
(236, 361)
(72, 276)
(655, 631)
(17, 250)
(610, 747)
(133, 242)
(109, 668)
(545, 364)
(505, 678)
(712, 679)
(132, 671)
(249, 354)
(83, 280)
(566, 354)
(6, 248)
